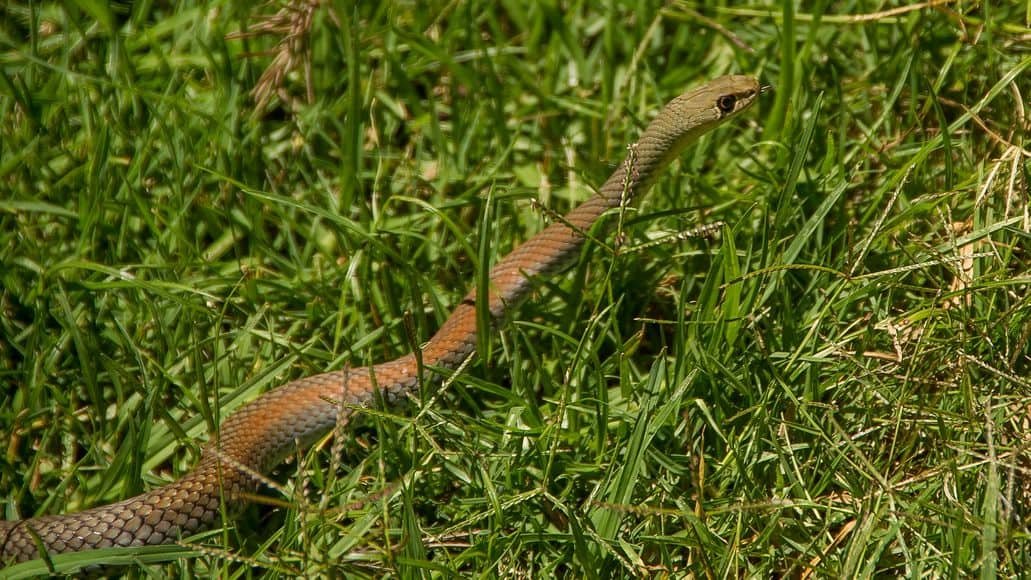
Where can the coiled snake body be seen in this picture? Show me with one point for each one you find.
(263, 432)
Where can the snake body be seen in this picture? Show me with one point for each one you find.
(262, 433)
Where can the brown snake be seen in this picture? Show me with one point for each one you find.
(262, 433)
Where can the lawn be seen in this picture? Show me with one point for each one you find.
(200, 202)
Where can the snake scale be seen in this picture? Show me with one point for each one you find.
(262, 433)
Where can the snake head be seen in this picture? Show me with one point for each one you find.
(696, 112)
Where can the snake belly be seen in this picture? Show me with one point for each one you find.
(262, 433)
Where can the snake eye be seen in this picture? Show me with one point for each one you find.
(726, 103)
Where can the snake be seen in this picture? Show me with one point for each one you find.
(265, 431)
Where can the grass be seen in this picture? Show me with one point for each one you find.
(835, 386)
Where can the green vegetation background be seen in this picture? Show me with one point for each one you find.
(835, 385)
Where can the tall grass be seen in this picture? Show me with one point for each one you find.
(199, 202)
